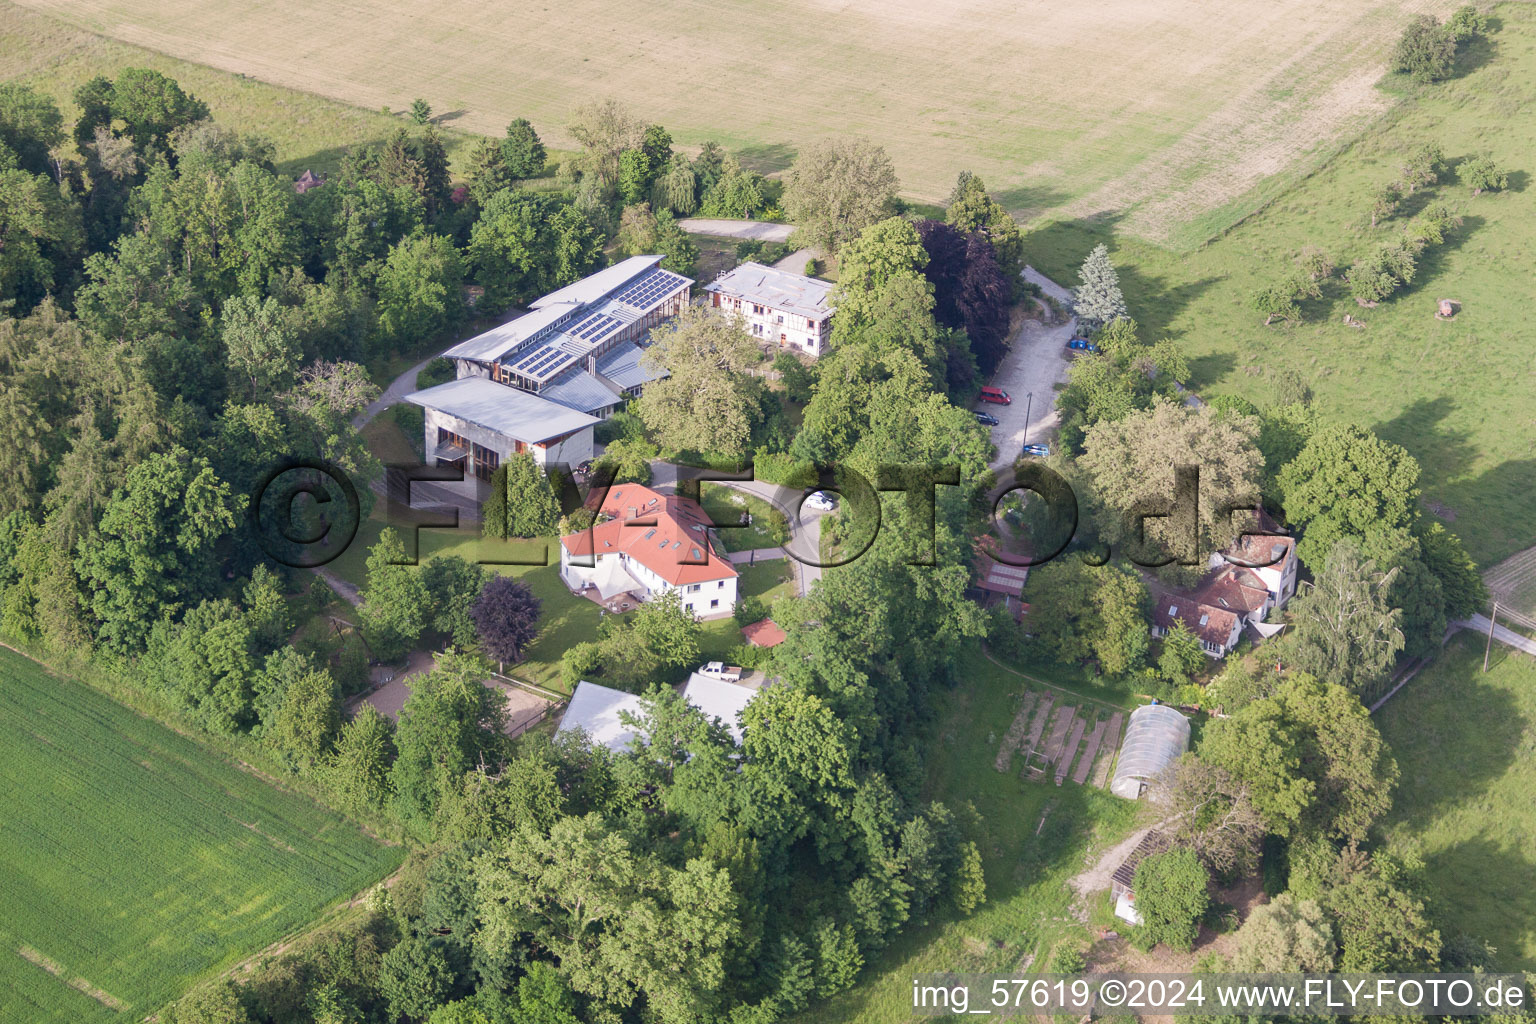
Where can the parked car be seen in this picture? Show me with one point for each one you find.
(997, 396)
(1037, 450)
(821, 501)
(986, 419)
(1082, 345)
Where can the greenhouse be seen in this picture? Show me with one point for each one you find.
(1154, 739)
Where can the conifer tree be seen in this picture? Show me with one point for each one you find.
(1098, 300)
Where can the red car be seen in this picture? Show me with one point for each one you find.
(995, 395)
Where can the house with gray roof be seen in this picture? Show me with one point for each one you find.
(539, 382)
(786, 309)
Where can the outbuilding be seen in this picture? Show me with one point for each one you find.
(1156, 736)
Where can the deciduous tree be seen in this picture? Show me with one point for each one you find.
(1343, 625)
(708, 401)
(1171, 897)
(837, 188)
(506, 616)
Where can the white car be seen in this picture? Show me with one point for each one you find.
(821, 501)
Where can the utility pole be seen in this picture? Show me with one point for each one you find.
(1029, 403)
(1489, 646)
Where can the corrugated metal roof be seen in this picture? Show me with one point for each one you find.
(780, 289)
(590, 289)
(508, 411)
(623, 367)
(595, 710)
(580, 390)
(719, 699)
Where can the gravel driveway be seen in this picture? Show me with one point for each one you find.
(759, 229)
(1034, 365)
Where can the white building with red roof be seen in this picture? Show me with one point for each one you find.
(646, 544)
(1254, 576)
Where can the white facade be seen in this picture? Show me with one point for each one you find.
(785, 309)
(571, 450)
(705, 598)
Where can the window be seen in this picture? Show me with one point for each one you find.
(715, 603)
(720, 583)
(693, 588)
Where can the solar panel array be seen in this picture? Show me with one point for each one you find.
(594, 328)
(650, 289)
(543, 362)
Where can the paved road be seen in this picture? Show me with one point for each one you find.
(753, 229)
(393, 395)
(1479, 624)
(1036, 362)
(755, 555)
(795, 261)
(805, 530)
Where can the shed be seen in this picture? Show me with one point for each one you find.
(719, 699)
(1122, 884)
(1155, 737)
(595, 710)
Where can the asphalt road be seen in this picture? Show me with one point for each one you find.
(1035, 364)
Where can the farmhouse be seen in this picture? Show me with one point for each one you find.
(647, 544)
(790, 309)
(571, 360)
(1252, 577)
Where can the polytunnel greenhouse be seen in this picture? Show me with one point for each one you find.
(1154, 739)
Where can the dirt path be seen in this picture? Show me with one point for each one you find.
(1036, 363)
(1097, 877)
(346, 591)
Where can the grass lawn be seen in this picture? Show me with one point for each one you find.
(134, 861)
(726, 506)
(1455, 393)
(1465, 742)
(1027, 862)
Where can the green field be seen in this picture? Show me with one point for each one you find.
(1175, 116)
(1456, 394)
(1466, 744)
(134, 861)
(1028, 862)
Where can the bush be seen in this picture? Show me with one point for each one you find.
(812, 267)
(439, 371)
(1467, 23)
(1481, 174)
(750, 610)
(579, 662)
(799, 380)
(783, 469)
(1426, 52)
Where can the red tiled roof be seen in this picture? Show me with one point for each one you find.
(1212, 625)
(1234, 589)
(665, 533)
(765, 633)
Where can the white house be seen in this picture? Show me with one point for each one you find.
(1253, 577)
(778, 306)
(647, 544)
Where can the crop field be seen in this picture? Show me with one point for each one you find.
(1457, 394)
(309, 131)
(1466, 744)
(1164, 112)
(133, 861)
